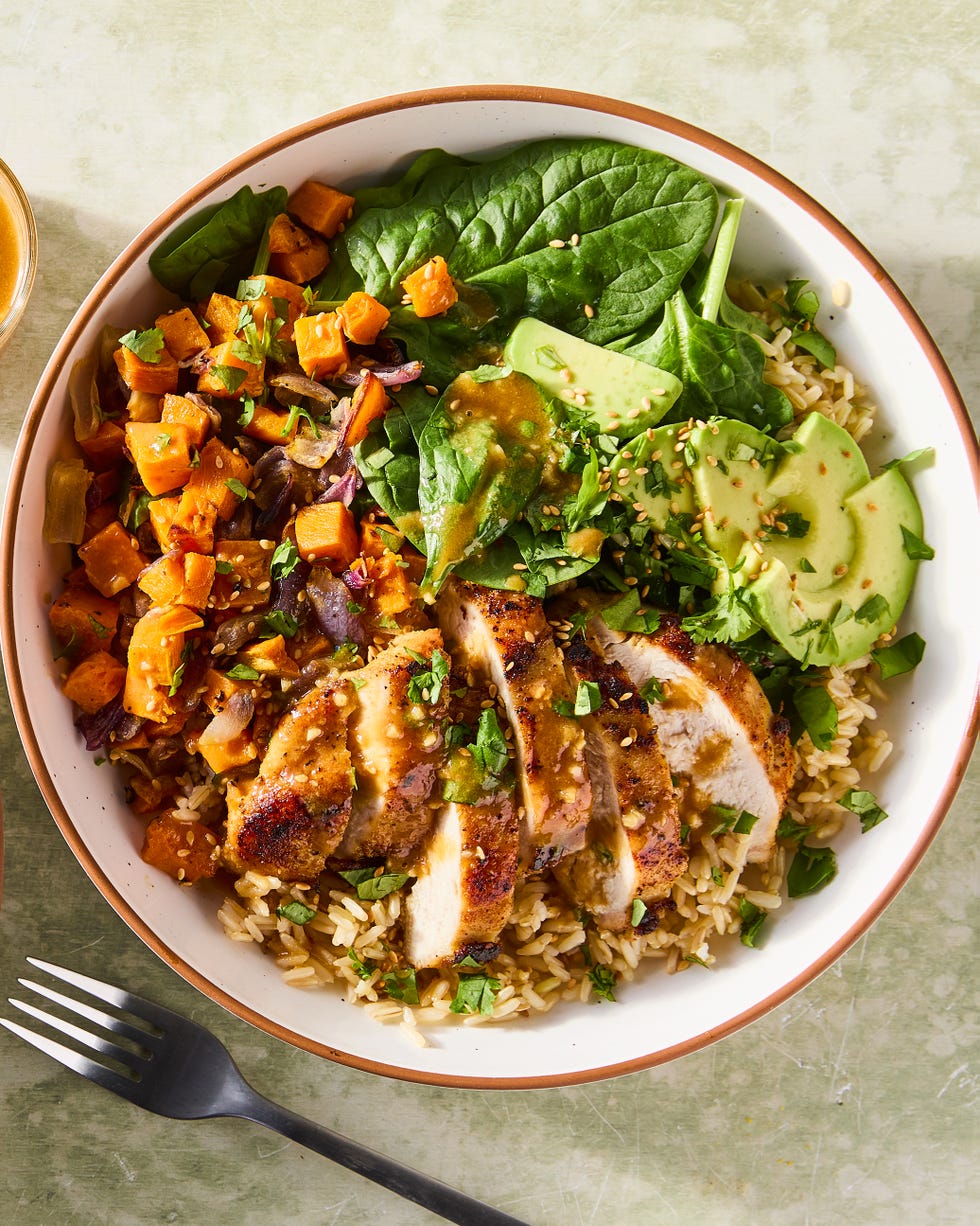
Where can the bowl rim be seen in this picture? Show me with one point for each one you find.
(28, 269)
(148, 237)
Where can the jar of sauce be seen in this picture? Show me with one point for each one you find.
(18, 252)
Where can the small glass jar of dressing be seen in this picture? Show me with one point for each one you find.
(18, 252)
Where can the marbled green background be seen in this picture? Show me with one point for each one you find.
(855, 1101)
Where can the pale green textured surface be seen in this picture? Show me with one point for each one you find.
(855, 1101)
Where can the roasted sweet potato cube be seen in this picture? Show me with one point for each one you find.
(161, 512)
(430, 289)
(179, 578)
(104, 449)
(269, 656)
(370, 400)
(178, 410)
(221, 314)
(228, 376)
(285, 236)
(98, 518)
(218, 688)
(362, 318)
(139, 376)
(187, 851)
(112, 559)
(94, 681)
(328, 531)
(218, 466)
(324, 209)
(392, 590)
(182, 333)
(278, 297)
(379, 539)
(227, 755)
(320, 345)
(161, 453)
(155, 655)
(243, 570)
(295, 255)
(192, 527)
(82, 620)
(271, 427)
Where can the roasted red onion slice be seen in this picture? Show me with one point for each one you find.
(343, 489)
(112, 718)
(355, 578)
(231, 720)
(301, 386)
(330, 599)
(390, 376)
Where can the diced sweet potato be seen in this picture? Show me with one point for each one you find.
(320, 345)
(228, 755)
(322, 208)
(98, 518)
(182, 333)
(187, 851)
(155, 655)
(370, 400)
(218, 465)
(104, 449)
(228, 376)
(140, 376)
(379, 539)
(430, 289)
(192, 527)
(392, 590)
(94, 681)
(83, 621)
(112, 559)
(178, 410)
(161, 512)
(269, 656)
(179, 578)
(269, 304)
(362, 318)
(271, 427)
(221, 314)
(328, 531)
(243, 574)
(295, 255)
(161, 453)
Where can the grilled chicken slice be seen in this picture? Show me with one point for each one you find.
(504, 638)
(717, 729)
(634, 845)
(464, 890)
(289, 818)
(396, 746)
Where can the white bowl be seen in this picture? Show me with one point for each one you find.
(931, 718)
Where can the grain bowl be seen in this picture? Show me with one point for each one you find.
(909, 740)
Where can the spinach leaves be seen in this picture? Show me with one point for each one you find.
(217, 246)
(631, 223)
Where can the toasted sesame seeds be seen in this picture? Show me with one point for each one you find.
(556, 242)
(840, 571)
(589, 311)
(574, 241)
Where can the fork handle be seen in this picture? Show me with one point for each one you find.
(431, 1193)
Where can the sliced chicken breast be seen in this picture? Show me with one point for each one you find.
(717, 729)
(396, 746)
(504, 638)
(289, 818)
(464, 891)
(633, 847)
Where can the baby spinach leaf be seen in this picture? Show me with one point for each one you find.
(216, 246)
(811, 870)
(641, 220)
(721, 369)
(865, 805)
(475, 994)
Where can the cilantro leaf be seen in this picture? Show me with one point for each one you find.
(475, 994)
(811, 870)
(603, 980)
(753, 918)
(237, 487)
(652, 691)
(402, 985)
(364, 969)
(148, 346)
(427, 686)
(587, 700)
(230, 377)
(278, 621)
(900, 657)
(243, 672)
(865, 805)
(874, 607)
(285, 559)
(370, 887)
(915, 547)
(296, 912)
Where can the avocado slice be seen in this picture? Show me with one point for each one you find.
(649, 474)
(621, 394)
(842, 620)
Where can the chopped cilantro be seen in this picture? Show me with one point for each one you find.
(222, 567)
(865, 805)
(427, 686)
(915, 546)
(874, 607)
(753, 918)
(475, 994)
(603, 980)
(807, 566)
(148, 346)
(296, 912)
(161, 442)
(369, 886)
(402, 985)
(243, 672)
(792, 830)
(248, 412)
(230, 377)
(285, 559)
(354, 608)
(696, 960)
(587, 700)
(637, 912)
(739, 821)
(98, 627)
(900, 657)
(278, 621)
(237, 488)
(652, 691)
(790, 524)
(364, 969)
(811, 870)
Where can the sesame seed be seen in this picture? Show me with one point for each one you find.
(574, 240)
(556, 242)
(589, 311)
(841, 570)
(626, 741)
